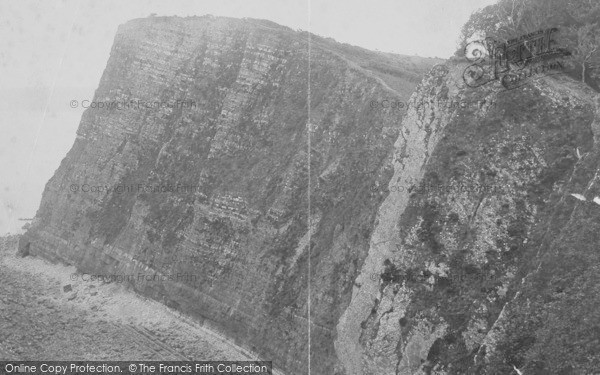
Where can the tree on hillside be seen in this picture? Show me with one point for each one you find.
(584, 35)
(586, 49)
(509, 19)
(577, 21)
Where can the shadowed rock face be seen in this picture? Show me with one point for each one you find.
(488, 262)
(202, 199)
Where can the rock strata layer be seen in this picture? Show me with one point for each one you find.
(192, 180)
(457, 236)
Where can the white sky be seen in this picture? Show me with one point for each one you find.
(54, 51)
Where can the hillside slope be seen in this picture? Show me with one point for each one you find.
(486, 260)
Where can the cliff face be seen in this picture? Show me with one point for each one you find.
(195, 175)
(481, 259)
(443, 241)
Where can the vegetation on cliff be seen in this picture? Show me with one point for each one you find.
(578, 22)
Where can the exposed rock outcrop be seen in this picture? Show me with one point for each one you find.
(195, 180)
(482, 258)
(445, 241)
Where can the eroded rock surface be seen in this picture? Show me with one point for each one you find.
(482, 258)
(228, 142)
(444, 241)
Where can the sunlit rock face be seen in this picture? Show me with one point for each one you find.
(483, 260)
(192, 171)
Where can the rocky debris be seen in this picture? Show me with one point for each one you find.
(36, 322)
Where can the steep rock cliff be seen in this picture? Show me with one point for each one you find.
(195, 175)
(481, 259)
(443, 241)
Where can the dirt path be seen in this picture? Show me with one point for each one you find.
(44, 314)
